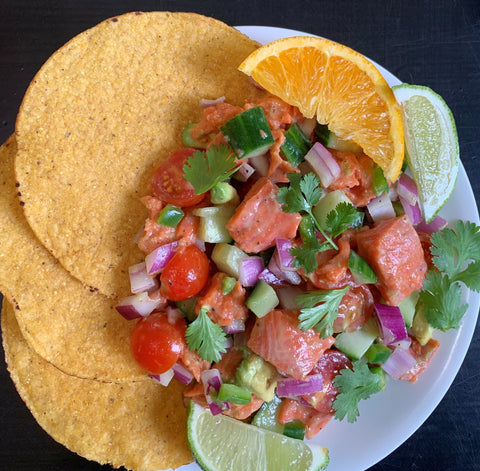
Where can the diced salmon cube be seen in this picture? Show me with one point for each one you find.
(259, 220)
(394, 251)
(277, 338)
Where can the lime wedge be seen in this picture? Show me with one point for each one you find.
(220, 443)
(431, 145)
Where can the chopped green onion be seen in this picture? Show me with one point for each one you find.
(377, 353)
(379, 183)
(189, 141)
(322, 133)
(170, 216)
(234, 394)
(228, 283)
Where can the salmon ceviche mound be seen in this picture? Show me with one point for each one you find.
(284, 275)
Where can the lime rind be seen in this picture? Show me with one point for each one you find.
(220, 443)
(431, 143)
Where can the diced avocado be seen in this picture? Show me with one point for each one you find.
(355, 344)
(262, 299)
(227, 258)
(407, 308)
(223, 193)
(327, 204)
(257, 375)
(267, 415)
(421, 329)
(248, 133)
(362, 272)
(329, 139)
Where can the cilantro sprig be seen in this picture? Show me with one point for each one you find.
(301, 196)
(205, 169)
(343, 217)
(206, 337)
(353, 385)
(319, 309)
(456, 256)
(304, 255)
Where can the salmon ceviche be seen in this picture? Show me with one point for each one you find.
(285, 278)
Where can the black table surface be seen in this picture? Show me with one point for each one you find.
(434, 43)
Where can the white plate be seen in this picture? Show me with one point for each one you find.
(389, 418)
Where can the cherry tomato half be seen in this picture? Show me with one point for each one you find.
(156, 344)
(169, 183)
(185, 274)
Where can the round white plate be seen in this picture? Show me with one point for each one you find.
(389, 418)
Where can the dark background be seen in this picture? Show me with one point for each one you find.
(434, 43)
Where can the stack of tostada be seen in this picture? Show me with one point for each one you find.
(97, 119)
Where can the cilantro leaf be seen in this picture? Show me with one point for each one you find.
(291, 197)
(344, 216)
(302, 194)
(452, 249)
(205, 169)
(206, 337)
(320, 309)
(471, 276)
(443, 301)
(309, 185)
(353, 386)
(305, 254)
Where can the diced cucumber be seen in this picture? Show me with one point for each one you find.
(189, 141)
(420, 327)
(329, 139)
(213, 220)
(262, 299)
(362, 272)
(296, 145)
(227, 258)
(328, 203)
(407, 307)
(355, 344)
(267, 416)
(248, 133)
(223, 193)
(377, 353)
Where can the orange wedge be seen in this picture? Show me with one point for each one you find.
(340, 87)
